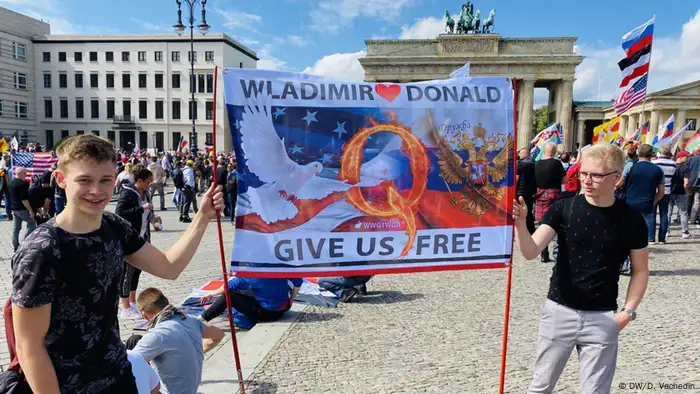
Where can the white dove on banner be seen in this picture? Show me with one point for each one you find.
(285, 180)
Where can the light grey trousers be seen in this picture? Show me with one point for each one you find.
(593, 334)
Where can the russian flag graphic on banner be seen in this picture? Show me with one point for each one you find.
(347, 178)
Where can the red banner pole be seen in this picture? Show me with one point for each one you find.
(224, 271)
(506, 318)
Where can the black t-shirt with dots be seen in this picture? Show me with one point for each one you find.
(593, 243)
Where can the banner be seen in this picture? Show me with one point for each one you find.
(355, 178)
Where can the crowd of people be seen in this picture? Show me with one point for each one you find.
(77, 262)
(601, 230)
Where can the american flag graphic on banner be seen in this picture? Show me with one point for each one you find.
(35, 163)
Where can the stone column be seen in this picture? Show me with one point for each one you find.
(653, 125)
(525, 101)
(581, 132)
(624, 119)
(680, 122)
(565, 96)
(631, 125)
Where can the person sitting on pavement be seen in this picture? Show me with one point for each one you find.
(270, 299)
(174, 344)
(345, 287)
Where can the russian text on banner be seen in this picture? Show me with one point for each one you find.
(347, 178)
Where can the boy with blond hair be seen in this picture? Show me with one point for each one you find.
(596, 234)
(66, 277)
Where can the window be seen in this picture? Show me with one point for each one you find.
(20, 81)
(693, 124)
(143, 81)
(96, 132)
(78, 80)
(93, 56)
(78, 57)
(62, 80)
(142, 56)
(65, 133)
(21, 110)
(126, 80)
(175, 56)
(159, 80)
(209, 139)
(111, 135)
(79, 108)
(48, 108)
(176, 81)
(159, 109)
(47, 80)
(209, 110)
(110, 109)
(95, 109)
(80, 132)
(192, 56)
(159, 56)
(49, 139)
(19, 51)
(143, 109)
(125, 56)
(126, 109)
(193, 110)
(47, 57)
(110, 80)
(143, 139)
(241, 65)
(210, 83)
(209, 56)
(93, 80)
(61, 56)
(109, 56)
(193, 87)
(63, 107)
(159, 141)
(0, 107)
(201, 83)
(176, 140)
(176, 111)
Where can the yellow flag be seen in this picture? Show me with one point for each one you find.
(607, 132)
(3, 145)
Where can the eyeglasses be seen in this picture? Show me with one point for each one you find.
(595, 177)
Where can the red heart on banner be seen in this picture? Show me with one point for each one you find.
(388, 93)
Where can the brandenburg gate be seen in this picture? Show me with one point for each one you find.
(535, 62)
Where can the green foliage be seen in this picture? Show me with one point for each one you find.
(540, 120)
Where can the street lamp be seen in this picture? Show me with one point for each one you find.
(179, 28)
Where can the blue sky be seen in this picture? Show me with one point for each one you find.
(327, 36)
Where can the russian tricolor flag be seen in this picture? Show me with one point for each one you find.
(638, 38)
(668, 127)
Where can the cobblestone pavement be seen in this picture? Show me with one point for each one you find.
(442, 333)
(204, 266)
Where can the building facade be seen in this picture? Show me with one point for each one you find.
(682, 101)
(17, 76)
(133, 89)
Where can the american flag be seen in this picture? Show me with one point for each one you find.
(632, 96)
(35, 163)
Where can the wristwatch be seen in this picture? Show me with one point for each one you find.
(633, 314)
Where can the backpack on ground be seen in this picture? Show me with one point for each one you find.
(178, 179)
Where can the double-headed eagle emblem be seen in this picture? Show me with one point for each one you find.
(478, 174)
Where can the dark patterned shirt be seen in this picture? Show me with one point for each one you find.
(79, 275)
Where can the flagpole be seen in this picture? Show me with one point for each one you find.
(641, 116)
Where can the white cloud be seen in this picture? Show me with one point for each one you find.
(332, 16)
(428, 27)
(150, 26)
(675, 61)
(237, 19)
(344, 66)
(297, 41)
(268, 61)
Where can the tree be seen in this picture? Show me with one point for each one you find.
(540, 120)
